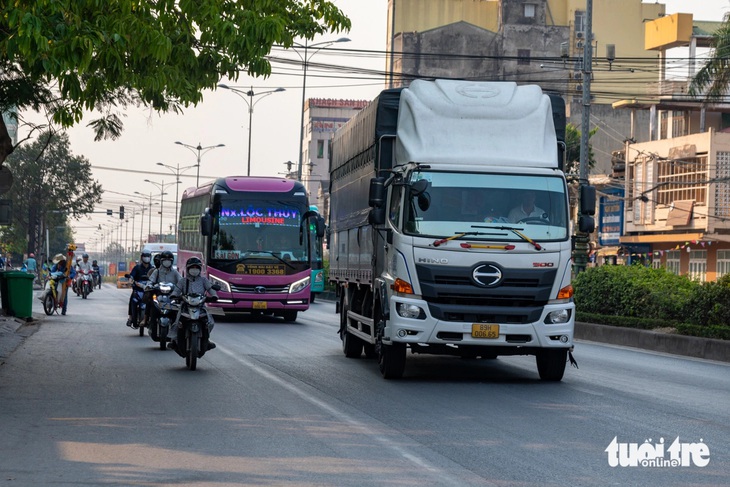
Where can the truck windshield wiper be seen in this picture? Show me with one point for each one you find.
(517, 232)
(458, 235)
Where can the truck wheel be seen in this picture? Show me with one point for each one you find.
(351, 345)
(551, 364)
(392, 360)
(369, 349)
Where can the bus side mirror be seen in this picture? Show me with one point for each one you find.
(376, 197)
(206, 224)
(320, 227)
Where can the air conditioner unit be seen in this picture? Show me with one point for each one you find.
(579, 34)
(579, 87)
(577, 75)
(579, 45)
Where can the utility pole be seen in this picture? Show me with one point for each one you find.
(586, 194)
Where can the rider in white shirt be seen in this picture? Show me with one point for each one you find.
(82, 266)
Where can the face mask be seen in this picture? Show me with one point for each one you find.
(194, 272)
(146, 260)
(167, 263)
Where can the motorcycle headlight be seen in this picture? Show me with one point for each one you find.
(225, 287)
(299, 285)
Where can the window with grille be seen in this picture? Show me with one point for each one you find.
(523, 56)
(580, 21)
(643, 194)
(530, 10)
(723, 263)
(679, 123)
(698, 265)
(682, 179)
(722, 188)
(673, 257)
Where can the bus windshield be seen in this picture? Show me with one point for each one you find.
(258, 236)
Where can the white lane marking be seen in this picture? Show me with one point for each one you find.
(444, 478)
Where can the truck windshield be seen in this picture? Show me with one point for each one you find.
(459, 202)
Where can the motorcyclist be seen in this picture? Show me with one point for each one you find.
(138, 274)
(82, 266)
(59, 265)
(97, 272)
(193, 283)
(163, 273)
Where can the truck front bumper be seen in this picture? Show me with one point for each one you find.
(427, 330)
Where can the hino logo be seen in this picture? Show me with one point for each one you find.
(428, 260)
(486, 275)
(260, 290)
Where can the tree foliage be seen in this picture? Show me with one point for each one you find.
(50, 185)
(714, 76)
(65, 57)
(572, 142)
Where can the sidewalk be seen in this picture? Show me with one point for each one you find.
(13, 331)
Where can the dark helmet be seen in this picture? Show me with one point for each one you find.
(85, 256)
(145, 254)
(156, 259)
(94, 262)
(193, 262)
(166, 254)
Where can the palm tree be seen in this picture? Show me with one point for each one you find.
(715, 74)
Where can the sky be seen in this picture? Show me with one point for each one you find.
(121, 166)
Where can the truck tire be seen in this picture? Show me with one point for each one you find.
(392, 360)
(551, 364)
(351, 345)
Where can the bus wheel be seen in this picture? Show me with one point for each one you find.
(289, 316)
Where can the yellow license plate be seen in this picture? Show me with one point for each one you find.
(484, 331)
(259, 305)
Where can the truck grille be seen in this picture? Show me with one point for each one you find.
(452, 296)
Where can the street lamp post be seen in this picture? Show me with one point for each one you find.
(161, 187)
(149, 218)
(199, 151)
(141, 220)
(177, 170)
(250, 94)
(305, 60)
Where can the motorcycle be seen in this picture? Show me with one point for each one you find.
(96, 279)
(86, 285)
(192, 331)
(51, 296)
(138, 304)
(162, 315)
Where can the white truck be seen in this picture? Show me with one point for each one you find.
(450, 230)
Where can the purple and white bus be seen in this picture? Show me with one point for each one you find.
(252, 235)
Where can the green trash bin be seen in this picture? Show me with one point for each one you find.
(4, 292)
(20, 293)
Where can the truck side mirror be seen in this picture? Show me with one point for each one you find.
(376, 197)
(377, 215)
(586, 224)
(206, 224)
(587, 200)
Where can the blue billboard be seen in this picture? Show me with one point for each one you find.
(610, 216)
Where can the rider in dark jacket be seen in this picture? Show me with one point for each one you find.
(138, 274)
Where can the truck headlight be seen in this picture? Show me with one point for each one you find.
(299, 285)
(412, 311)
(557, 317)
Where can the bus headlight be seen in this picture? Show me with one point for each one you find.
(225, 287)
(299, 285)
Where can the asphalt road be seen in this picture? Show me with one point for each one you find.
(86, 401)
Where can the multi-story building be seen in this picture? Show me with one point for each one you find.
(322, 117)
(676, 202)
(532, 41)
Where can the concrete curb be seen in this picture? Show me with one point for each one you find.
(704, 348)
